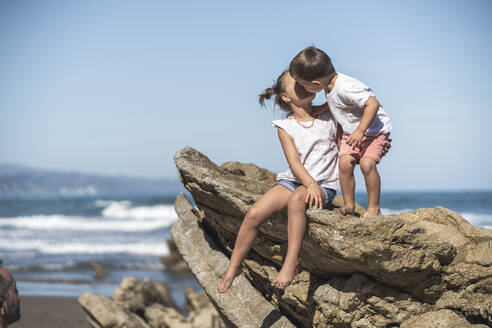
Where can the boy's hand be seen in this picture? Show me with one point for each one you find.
(387, 146)
(355, 139)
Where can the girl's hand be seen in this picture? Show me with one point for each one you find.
(314, 195)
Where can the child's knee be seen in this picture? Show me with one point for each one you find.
(367, 165)
(296, 200)
(253, 217)
(347, 163)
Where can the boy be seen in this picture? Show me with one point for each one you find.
(365, 124)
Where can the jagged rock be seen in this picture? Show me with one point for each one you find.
(103, 312)
(202, 312)
(137, 300)
(339, 301)
(173, 262)
(314, 302)
(394, 267)
(159, 316)
(135, 295)
(441, 318)
(250, 170)
(196, 301)
(244, 306)
(474, 301)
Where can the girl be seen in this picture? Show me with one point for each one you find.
(310, 141)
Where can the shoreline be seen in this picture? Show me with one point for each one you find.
(48, 311)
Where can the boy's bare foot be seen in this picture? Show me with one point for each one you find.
(370, 213)
(344, 210)
(226, 280)
(285, 276)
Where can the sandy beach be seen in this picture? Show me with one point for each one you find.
(51, 312)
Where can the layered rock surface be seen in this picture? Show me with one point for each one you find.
(403, 270)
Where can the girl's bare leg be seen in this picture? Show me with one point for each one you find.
(347, 183)
(373, 186)
(272, 201)
(296, 228)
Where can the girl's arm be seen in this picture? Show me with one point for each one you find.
(314, 193)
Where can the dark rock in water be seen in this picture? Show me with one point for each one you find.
(173, 262)
(393, 270)
(99, 269)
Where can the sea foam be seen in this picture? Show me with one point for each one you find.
(55, 247)
(79, 223)
(123, 210)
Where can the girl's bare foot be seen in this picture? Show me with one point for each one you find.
(226, 280)
(285, 276)
(344, 210)
(370, 213)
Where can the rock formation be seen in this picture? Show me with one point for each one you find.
(148, 304)
(173, 262)
(426, 268)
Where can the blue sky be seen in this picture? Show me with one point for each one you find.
(118, 87)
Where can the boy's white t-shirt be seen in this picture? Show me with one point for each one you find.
(346, 101)
(317, 148)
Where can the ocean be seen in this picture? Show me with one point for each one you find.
(48, 243)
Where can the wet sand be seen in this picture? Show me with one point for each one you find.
(53, 312)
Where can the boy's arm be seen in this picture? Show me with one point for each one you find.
(314, 194)
(320, 109)
(370, 110)
(339, 135)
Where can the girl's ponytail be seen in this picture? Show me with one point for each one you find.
(276, 90)
(267, 94)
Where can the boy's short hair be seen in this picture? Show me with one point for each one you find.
(311, 64)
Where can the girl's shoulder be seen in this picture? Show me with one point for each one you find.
(285, 124)
(282, 123)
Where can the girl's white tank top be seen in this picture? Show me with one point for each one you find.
(317, 148)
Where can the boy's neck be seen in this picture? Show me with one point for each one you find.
(329, 82)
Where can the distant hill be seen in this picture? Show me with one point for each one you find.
(20, 180)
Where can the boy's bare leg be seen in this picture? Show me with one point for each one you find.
(346, 165)
(373, 186)
(296, 227)
(272, 201)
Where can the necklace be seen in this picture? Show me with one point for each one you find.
(304, 126)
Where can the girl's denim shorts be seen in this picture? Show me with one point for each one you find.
(292, 185)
